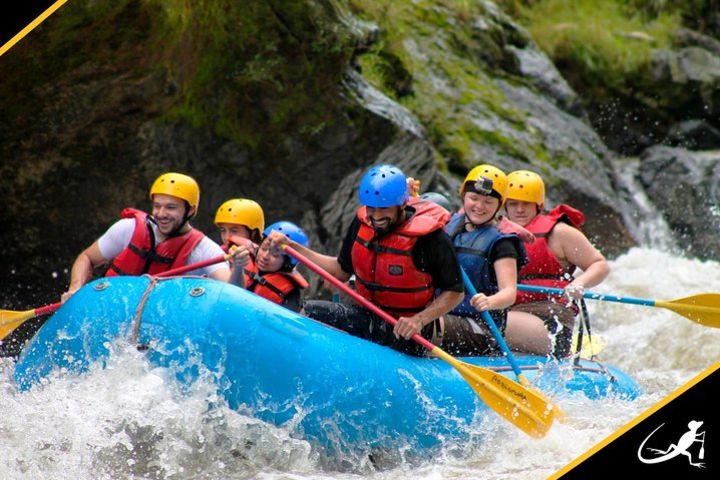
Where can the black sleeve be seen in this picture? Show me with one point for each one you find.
(344, 258)
(292, 300)
(434, 254)
(504, 248)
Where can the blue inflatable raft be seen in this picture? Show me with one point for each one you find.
(341, 393)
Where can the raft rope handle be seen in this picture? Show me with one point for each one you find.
(135, 332)
(607, 372)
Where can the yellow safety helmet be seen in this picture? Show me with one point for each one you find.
(177, 185)
(498, 186)
(526, 186)
(241, 211)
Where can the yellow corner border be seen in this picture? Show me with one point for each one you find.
(40, 18)
(637, 420)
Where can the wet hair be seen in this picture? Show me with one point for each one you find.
(255, 236)
(287, 265)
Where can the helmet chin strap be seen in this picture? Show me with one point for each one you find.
(475, 225)
(478, 225)
(176, 231)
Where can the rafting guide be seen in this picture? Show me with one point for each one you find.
(681, 448)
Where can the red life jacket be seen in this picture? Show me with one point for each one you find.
(252, 247)
(274, 286)
(384, 269)
(544, 268)
(142, 255)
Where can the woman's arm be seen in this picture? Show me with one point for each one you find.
(506, 274)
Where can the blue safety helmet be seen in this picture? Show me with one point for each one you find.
(293, 232)
(439, 199)
(383, 186)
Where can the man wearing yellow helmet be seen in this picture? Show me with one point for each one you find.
(139, 243)
(241, 222)
(265, 272)
(541, 324)
(240, 218)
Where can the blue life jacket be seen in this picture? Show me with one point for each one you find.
(472, 250)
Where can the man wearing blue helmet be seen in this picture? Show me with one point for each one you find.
(402, 260)
(271, 274)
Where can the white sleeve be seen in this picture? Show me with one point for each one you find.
(116, 238)
(206, 250)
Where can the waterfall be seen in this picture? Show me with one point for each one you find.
(645, 222)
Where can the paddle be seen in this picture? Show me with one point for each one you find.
(10, 320)
(591, 346)
(703, 308)
(503, 345)
(522, 407)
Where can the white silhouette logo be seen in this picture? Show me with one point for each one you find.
(686, 440)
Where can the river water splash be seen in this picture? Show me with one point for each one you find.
(130, 420)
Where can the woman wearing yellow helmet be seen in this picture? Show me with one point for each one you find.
(489, 257)
(139, 243)
(541, 324)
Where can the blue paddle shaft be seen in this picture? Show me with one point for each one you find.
(493, 328)
(590, 295)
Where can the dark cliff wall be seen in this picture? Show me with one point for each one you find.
(107, 95)
(281, 101)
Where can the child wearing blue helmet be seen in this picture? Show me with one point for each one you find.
(271, 274)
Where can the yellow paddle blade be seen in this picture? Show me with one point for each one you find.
(7, 327)
(703, 308)
(590, 346)
(10, 320)
(527, 410)
(559, 414)
(9, 316)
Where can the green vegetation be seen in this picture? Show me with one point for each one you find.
(237, 65)
(432, 58)
(695, 14)
(255, 69)
(251, 63)
(598, 42)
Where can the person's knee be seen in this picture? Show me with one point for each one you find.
(315, 309)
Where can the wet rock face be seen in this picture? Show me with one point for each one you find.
(81, 148)
(693, 135)
(664, 102)
(533, 64)
(683, 185)
(96, 147)
(99, 139)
